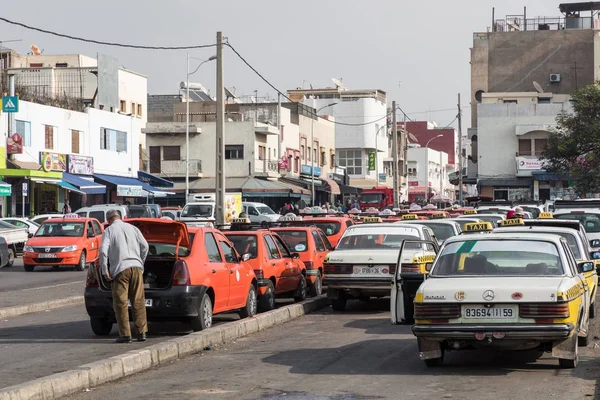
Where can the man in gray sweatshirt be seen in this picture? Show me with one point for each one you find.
(122, 255)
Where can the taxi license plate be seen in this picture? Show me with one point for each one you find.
(358, 270)
(47, 255)
(148, 303)
(480, 312)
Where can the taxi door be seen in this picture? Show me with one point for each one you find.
(583, 329)
(92, 245)
(238, 291)
(400, 302)
(217, 274)
(291, 268)
(97, 239)
(591, 277)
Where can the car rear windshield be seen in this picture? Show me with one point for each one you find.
(499, 257)
(591, 222)
(535, 212)
(197, 210)
(376, 241)
(68, 229)
(499, 211)
(297, 241)
(244, 244)
(138, 212)
(442, 231)
(330, 228)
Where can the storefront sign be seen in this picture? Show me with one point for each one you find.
(25, 189)
(382, 177)
(413, 183)
(53, 162)
(129, 191)
(283, 163)
(80, 165)
(5, 190)
(529, 164)
(371, 161)
(306, 170)
(14, 144)
(341, 179)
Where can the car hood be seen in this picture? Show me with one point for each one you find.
(162, 231)
(53, 241)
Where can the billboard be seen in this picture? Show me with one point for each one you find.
(53, 161)
(80, 165)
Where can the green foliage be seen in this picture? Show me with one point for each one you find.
(574, 146)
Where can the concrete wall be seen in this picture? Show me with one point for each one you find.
(425, 131)
(50, 60)
(160, 107)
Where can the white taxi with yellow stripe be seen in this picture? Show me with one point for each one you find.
(513, 291)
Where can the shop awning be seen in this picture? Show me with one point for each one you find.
(350, 189)
(545, 176)
(68, 186)
(334, 188)
(131, 187)
(29, 173)
(84, 185)
(154, 180)
(249, 186)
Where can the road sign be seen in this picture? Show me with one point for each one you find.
(10, 104)
(24, 189)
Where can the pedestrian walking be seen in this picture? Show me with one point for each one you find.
(122, 255)
(66, 208)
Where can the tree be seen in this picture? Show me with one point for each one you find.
(573, 147)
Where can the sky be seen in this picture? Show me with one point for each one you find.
(416, 51)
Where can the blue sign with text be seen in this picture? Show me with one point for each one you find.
(307, 169)
(10, 104)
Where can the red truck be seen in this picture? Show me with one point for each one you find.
(379, 197)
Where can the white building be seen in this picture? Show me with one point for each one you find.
(360, 146)
(512, 131)
(427, 174)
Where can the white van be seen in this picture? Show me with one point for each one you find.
(99, 211)
(259, 212)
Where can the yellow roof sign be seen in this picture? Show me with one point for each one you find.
(470, 212)
(410, 216)
(478, 227)
(512, 222)
(438, 215)
(372, 220)
(240, 221)
(545, 215)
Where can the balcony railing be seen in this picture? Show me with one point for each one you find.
(173, 167)
(266, 166)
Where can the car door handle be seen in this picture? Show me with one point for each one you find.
(231, 271)
(273, 264)
(214, 271)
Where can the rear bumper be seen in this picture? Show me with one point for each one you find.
(176, 303)
(528, 331)
(349, 282)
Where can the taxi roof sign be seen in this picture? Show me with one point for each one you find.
(410, 217)
(71, 216)
(470, 212)
(545, 215)
(439, 215)
(479, 227)
(372, 220)
(240, 221)
(290, 217)
(512, 222)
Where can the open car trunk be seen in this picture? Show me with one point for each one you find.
(158, 273)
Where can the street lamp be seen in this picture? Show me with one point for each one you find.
(427, 147)
(187, 120)
(312, 156)
(377, 153)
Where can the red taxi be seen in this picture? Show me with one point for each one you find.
(64, 242)
(332, 225)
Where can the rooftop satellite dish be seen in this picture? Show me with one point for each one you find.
(338, 83)
(229, 94)
(35, 50)
(538, 87)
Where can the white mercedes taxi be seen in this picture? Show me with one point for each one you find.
(364, 261)
(513, 291)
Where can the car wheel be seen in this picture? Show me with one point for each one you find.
(593, 310)
(409, 309)
(339, 303)
(81, 265)
(316, 289)
(28, 268)
(302, 290)
(251, 304)
(204, 318)
(11, 257)
(267, 300)
(101, 326)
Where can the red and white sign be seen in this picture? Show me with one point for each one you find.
(14, 144)
(283, 163)
(530, 164)
(413, 183)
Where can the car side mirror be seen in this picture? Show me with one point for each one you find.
(586, 266)
(245, 257)
(595, 242)
(595, 255)
(295, 256)
(91, 234)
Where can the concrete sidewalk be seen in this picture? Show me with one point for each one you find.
(18, 302)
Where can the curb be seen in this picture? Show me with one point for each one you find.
(117, 367)
(6, 312)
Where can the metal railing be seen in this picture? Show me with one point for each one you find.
(516, 23)
(172, 167)
(266, 166)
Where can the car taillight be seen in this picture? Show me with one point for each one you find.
(181, 274)
(338, 268)
(439, 312)
(92, 277)
(259, 274)
(544, 311)
(411, 268)
(309, 264)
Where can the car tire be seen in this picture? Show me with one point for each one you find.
(81, 265)
(101, 326)
(28, 268)
(339, 303)
(302, 290)
(593, 310)
(316, 289)
(11, 257)
(409, 309)
(204, 318)
(267, 300)
(251, 304)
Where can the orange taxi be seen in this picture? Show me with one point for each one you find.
(333, 226)
(190, 274)
(64, 242)
(313, 246)
(278, 271)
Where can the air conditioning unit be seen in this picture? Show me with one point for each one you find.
(554, 78)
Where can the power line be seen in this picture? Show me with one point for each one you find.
(438, 110)
(131, 46)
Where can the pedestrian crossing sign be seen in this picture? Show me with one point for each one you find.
(10, 104)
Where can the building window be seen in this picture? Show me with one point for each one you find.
(24, 129)
(104, 139)
(171, 153)
(123, 106)
(139, 110)
(315, 158)
(308, 153)
(352, 160)
(302, 152)
(323, 158)
(524, 147)
(74, 141)
(540, 144)
(49, 137)
(61, 65)
(133, 108)
(113, 140)
(261, 152)
(234, 151)
(333, 161)
(510, 101)
(121, 141)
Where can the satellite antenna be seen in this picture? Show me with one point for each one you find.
(538, 87)
(229, 94)
(35, 50)
(338, 83)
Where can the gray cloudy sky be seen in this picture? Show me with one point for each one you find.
(370, 44)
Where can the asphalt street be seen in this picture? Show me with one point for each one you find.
(356, 355)
(15, 277)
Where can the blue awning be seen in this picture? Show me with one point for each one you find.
(154, 180)
(132, 183)
(68, 186)
(546, 176)
(84, 185)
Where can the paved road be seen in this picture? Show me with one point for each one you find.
(356, 355)
(15, 277)
(36, 345)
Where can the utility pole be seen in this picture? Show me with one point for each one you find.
(460, 155)
(280, 138)
(220, 138)
(395, 155)
(187, 131)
